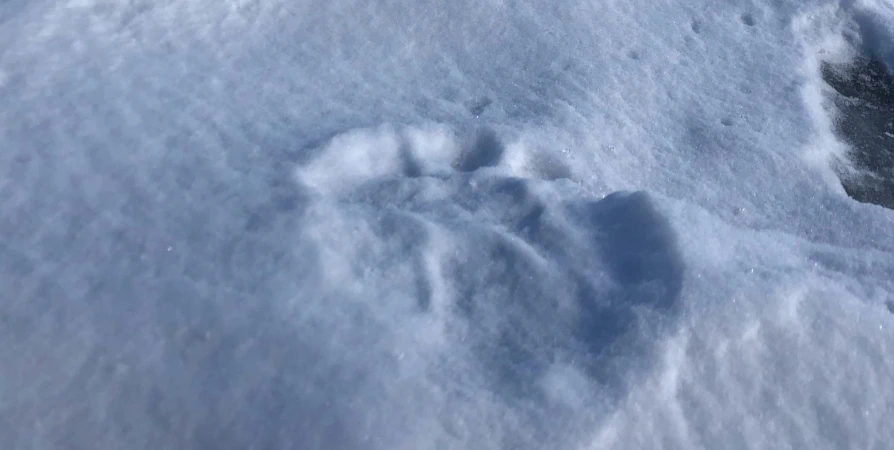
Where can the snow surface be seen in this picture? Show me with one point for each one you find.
(517, 224)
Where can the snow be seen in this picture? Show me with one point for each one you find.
(432, 225)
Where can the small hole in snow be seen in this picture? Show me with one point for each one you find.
(748, 19)
(478, 106)
(485, 150)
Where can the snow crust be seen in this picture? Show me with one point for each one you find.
(433, 225)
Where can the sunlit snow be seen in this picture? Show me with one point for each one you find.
(498, 224)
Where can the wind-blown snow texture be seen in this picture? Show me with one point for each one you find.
(432, 225)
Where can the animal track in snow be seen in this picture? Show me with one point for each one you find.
(357, 157)
(696, 27)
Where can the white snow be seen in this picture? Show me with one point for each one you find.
(433, 225)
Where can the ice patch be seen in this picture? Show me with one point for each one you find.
(851, 100)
